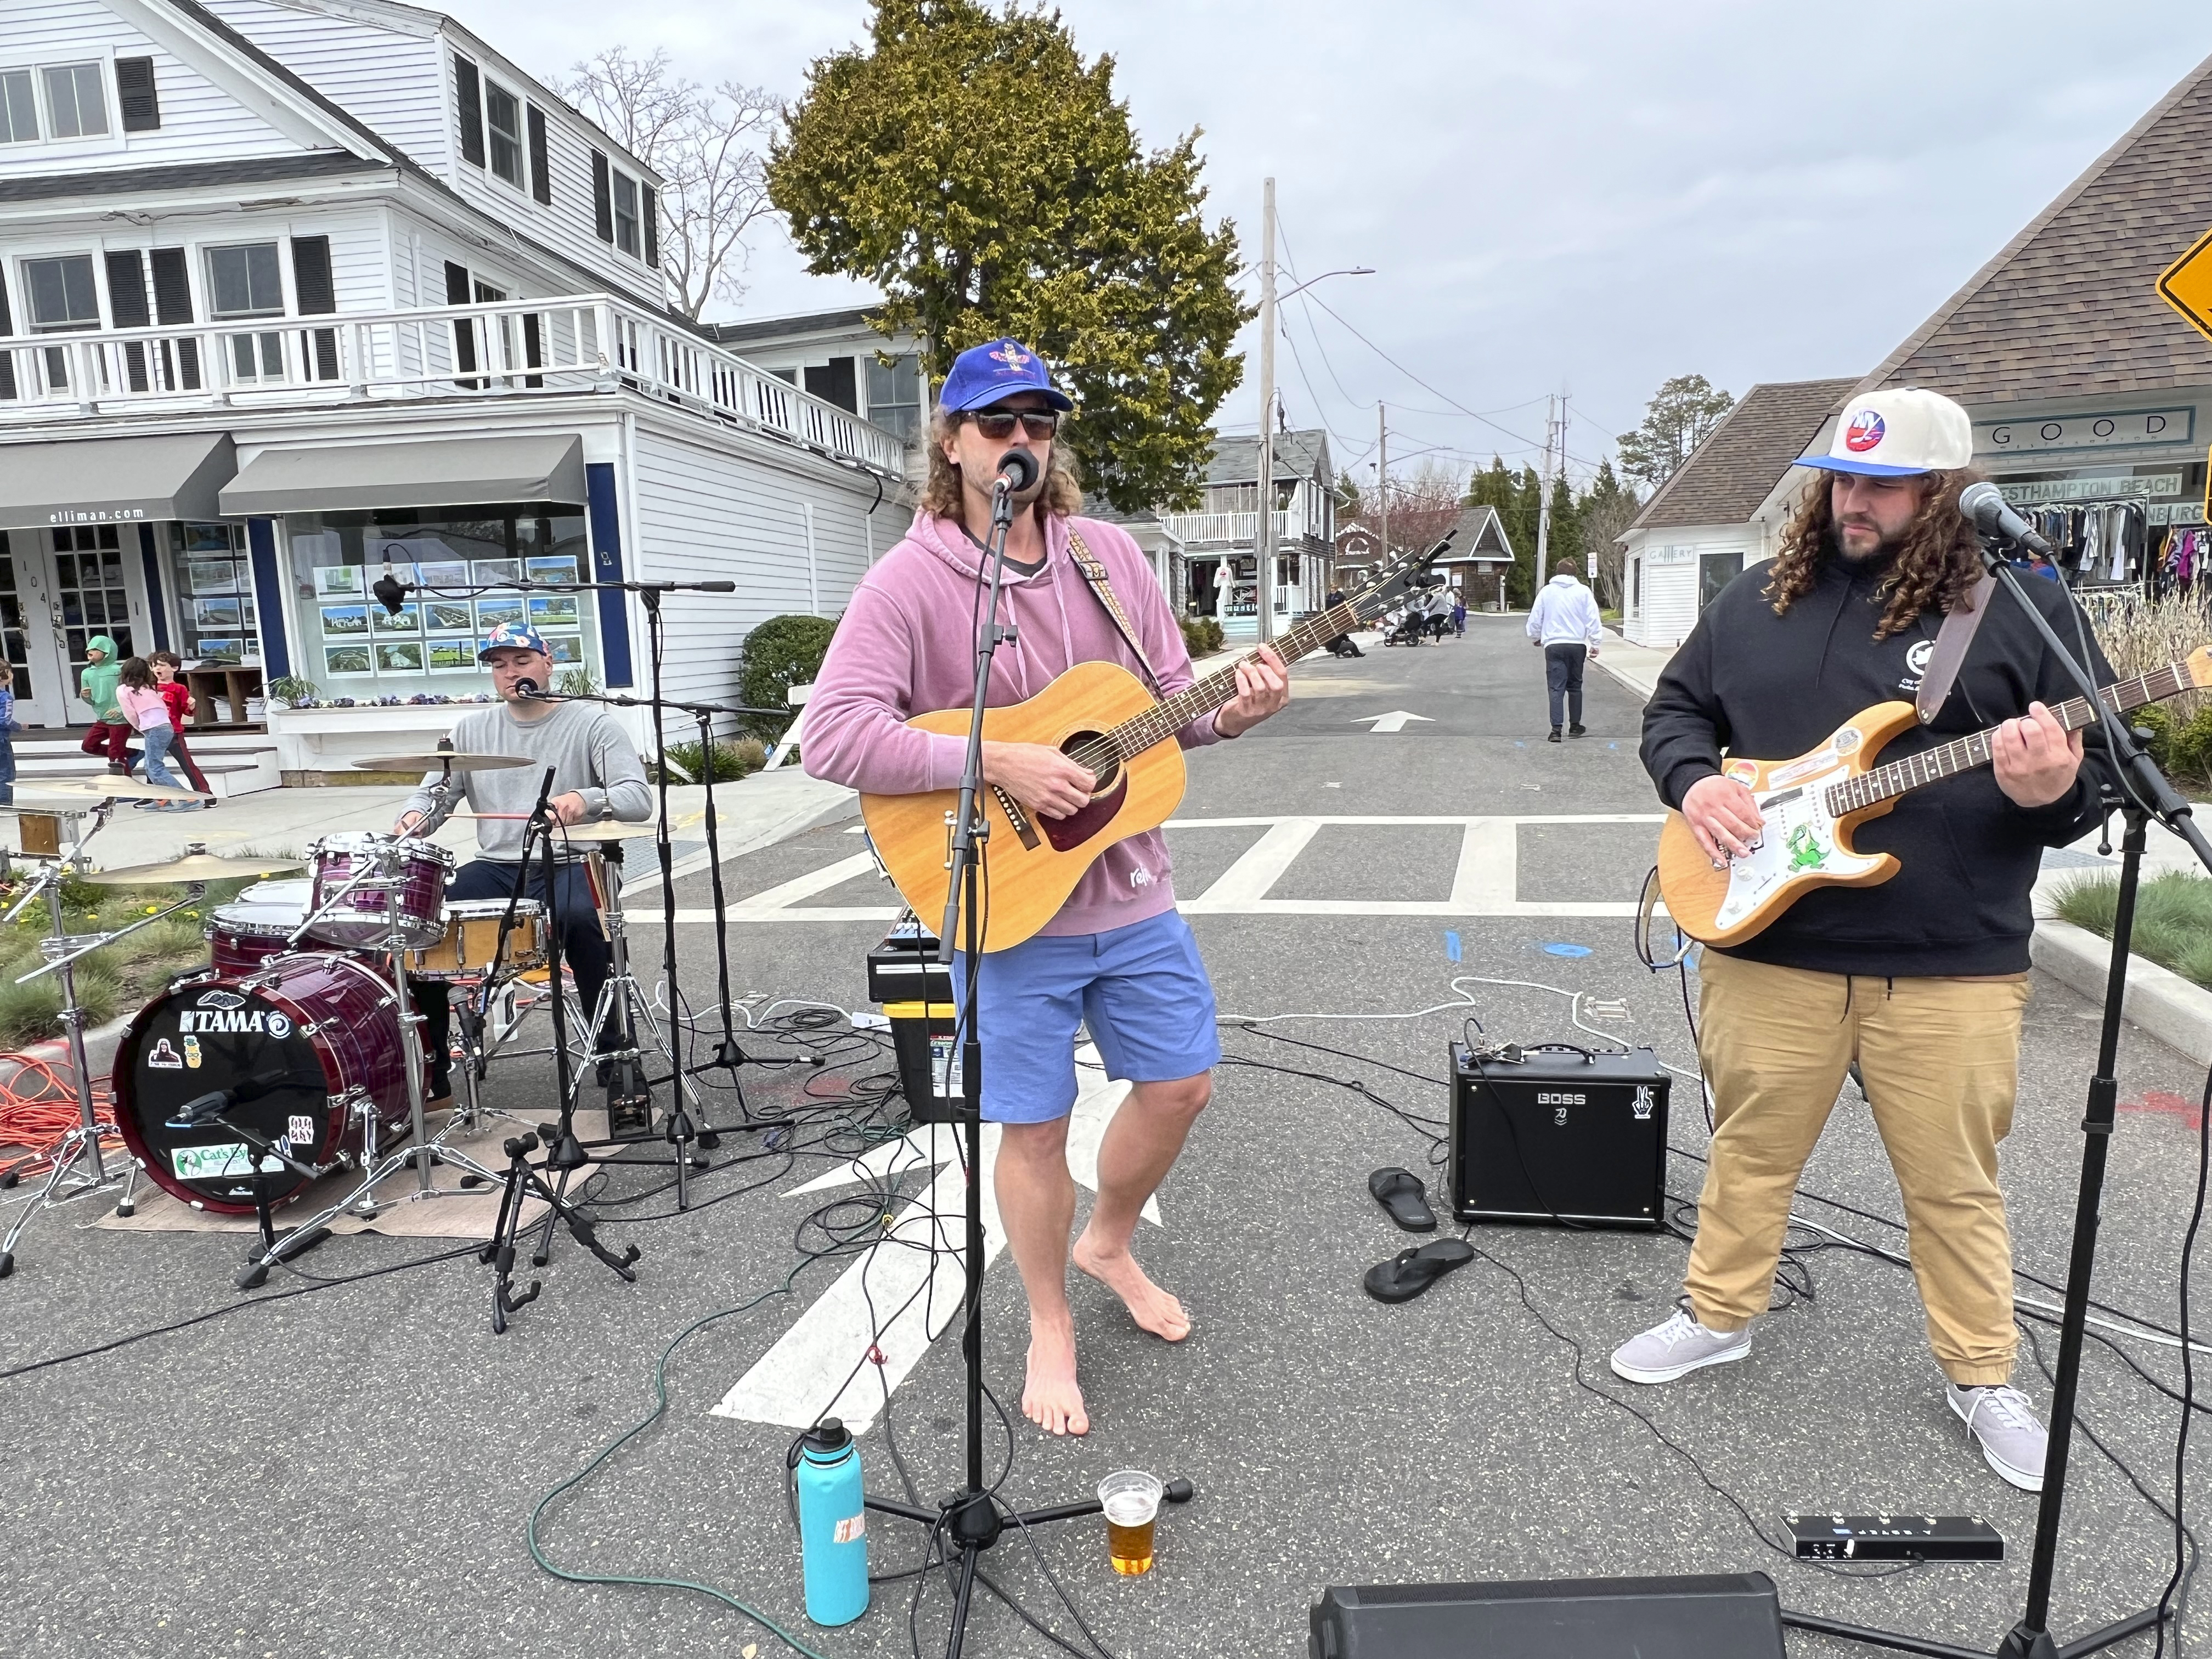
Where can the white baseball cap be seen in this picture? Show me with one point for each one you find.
(1897, 433)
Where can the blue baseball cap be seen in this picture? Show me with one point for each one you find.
(514, 637)
(983, 374)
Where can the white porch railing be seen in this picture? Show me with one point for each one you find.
(1240, 529)
(508, 348)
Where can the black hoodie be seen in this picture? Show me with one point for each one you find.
(1748, 681)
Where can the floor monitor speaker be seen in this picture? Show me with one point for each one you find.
(1723, 1616)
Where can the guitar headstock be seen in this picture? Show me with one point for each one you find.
(2196, 669)
(1370, 601)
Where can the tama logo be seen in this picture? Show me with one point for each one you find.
(220, 999)
(1543, 1099)
(233, 1020)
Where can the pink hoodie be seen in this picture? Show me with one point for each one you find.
(906, 647)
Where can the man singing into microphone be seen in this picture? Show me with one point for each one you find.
(1118, 958)
(596, 774)
(1922, 979)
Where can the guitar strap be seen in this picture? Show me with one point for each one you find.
(1095, 573)
(1952, 642)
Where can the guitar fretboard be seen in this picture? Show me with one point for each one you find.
(1170, 715)
(1946, 760)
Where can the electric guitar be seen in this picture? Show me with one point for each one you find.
(1814, 803)
(1107, 718)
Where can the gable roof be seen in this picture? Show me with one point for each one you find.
(189, 175)
(2071, 302)
(1299, 454)
(1741, 459)
(1478, 533)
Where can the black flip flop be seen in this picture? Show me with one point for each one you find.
(1400, 1193)
(1409, 1272)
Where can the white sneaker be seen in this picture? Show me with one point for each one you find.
(2013, 1438)
(1677, 1348)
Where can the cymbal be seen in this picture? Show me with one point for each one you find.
(113, 785)
(198, 865)
(459, 760)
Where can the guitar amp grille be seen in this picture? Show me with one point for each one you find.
(1559, 1135)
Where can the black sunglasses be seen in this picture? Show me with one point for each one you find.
(999, 423)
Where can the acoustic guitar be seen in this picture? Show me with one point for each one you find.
(1814, 803)
(1104, 717)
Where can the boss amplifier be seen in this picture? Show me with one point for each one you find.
(1559, 1135)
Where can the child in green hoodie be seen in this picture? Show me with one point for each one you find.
(110, 732)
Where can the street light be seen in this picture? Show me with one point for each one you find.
(1263, 538)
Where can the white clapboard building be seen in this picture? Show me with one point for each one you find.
(292, 294)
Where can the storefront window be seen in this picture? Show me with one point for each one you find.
(471, 562)
(213, 580)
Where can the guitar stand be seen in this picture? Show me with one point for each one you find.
(523, 1181)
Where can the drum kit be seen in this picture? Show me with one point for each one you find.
(297, 1052)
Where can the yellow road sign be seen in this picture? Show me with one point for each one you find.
(2186, 285)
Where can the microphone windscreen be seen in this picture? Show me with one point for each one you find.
(525, 687)
(1020, 469)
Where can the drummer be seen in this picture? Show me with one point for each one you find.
(597, 775)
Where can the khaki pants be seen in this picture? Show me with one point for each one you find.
(1940, 1058)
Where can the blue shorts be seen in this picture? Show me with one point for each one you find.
(1140, 990)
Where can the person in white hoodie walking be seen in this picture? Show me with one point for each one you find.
(1563, 624)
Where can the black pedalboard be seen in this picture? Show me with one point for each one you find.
(1562, 1135)
(1895, 1538)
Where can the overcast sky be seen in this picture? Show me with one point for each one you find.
(1586, 197)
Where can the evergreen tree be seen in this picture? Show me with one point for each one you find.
(1604, 511)
(1516, 493)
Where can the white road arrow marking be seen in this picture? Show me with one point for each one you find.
(900, 1296)
(1393, 722)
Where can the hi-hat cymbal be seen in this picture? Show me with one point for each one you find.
(459, 760)
(113, 785)
(198, 865)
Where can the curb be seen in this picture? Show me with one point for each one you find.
(2175, 1011)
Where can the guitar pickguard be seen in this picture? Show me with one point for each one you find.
(1799, 841)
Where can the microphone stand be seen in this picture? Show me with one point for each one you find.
(2145, 795)
(972, 1519)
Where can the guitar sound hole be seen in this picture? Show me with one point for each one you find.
(1072, 747)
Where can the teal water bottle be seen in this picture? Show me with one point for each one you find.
(832, 1525)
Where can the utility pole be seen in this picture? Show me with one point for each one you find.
(1544, 500)
(1382, 478)
(1263, 538)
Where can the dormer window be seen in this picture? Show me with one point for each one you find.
(77, 101)
(19, 108)
(503, 116)
(626, 215)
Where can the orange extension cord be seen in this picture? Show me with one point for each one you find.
(38, 1107)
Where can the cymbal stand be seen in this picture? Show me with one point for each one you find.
(76, 1166)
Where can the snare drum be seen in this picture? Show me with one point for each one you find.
(256, 925)
(402, 876)
(471, 940)
(311, 1045)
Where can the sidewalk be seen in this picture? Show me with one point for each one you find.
(1635, 666)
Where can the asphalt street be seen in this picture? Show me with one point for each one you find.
(350, 1471)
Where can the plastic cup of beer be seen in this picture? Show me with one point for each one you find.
(1131, 1500)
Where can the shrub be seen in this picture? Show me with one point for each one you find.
(1201, 636)
(781, 653)
(733, 761)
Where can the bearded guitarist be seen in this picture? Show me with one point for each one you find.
(1118, 957)
(1922, 979)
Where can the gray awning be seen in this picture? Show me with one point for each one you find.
(450, 473)
(113, 480)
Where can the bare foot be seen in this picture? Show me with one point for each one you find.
(1050, 1398)
(1152, 1308)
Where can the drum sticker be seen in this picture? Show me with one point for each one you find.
(279, 1026)
(165, 1058)
(220, 999)
(1745, 771)
(193, 1053)
(209, 1163)
(301, 1128)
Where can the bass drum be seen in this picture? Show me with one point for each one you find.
(311, 1045)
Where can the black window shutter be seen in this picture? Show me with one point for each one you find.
(318, 297)
(464, 333)
(7, 358)
(541, 170)
(835, 382)
(652, 212)
(172, 308)
(603, 198)
(468, 105)
(127, 303)
(135, 95)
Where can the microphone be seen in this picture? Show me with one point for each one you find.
(1988, 511)
(1018, 471)
(389, 591)
(202, 1108)
(527, 687)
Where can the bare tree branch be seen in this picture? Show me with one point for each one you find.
(709, 148)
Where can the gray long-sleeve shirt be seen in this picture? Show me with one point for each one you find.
(588, 753)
